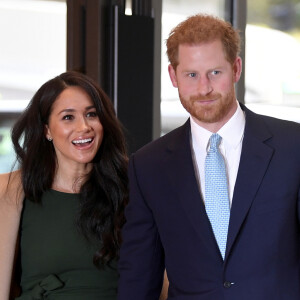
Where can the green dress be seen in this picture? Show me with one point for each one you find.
(56, 260)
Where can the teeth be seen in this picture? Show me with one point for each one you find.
(82, 141)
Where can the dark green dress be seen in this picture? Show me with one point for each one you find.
(56, 260)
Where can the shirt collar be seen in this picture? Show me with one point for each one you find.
(233, 131)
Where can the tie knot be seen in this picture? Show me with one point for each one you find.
(214, 141)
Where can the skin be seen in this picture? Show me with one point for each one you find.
(11, 203)
(73, 120)
(205, 80)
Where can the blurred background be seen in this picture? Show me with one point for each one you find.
(33, 49)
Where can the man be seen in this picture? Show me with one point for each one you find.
(236, 238)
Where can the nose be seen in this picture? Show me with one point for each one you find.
(204, 86)
(83, 125)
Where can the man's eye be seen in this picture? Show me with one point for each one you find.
(215, 72)
(192, 75)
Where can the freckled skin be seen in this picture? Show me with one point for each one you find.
(205, 80)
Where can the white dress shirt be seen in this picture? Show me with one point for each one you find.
(232, 134)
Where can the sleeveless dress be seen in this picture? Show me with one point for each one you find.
(56, 260)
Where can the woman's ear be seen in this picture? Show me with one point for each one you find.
(47, 133)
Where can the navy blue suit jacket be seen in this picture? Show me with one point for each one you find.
(167, 226)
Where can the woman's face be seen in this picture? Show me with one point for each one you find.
(75, 128)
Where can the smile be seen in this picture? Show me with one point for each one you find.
(84, 141)
(207, 101)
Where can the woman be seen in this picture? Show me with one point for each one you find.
(73, 166)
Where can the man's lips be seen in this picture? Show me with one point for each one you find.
(205, 99)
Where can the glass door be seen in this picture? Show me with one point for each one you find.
(272, 64)
(33, 50)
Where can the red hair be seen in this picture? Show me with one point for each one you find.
(199, 29)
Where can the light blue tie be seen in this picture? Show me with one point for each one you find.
(216, 193)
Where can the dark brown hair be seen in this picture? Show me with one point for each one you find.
(104, 194)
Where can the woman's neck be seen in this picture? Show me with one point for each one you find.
(68, 180)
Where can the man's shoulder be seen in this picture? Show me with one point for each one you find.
(274, 125)
(165, 142)
(282, 124)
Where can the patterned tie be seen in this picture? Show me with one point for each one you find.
(216, 193)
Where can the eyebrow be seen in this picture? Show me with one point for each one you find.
(72, 109)
(216, 68)
(192, 70)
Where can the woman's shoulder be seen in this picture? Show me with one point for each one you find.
(11, 201)
(11, 192)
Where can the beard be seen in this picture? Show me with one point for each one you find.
(210, 113)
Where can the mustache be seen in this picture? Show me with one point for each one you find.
(205, 98)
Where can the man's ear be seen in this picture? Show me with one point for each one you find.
(173, 77)
(237, 69)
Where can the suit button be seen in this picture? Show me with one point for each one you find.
(227, 284)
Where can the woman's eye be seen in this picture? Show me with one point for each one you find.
(92, 114)
(68, 117)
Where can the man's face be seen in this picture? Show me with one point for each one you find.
(205, 80)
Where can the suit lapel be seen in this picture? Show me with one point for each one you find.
(255, 158)
(183, 179)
